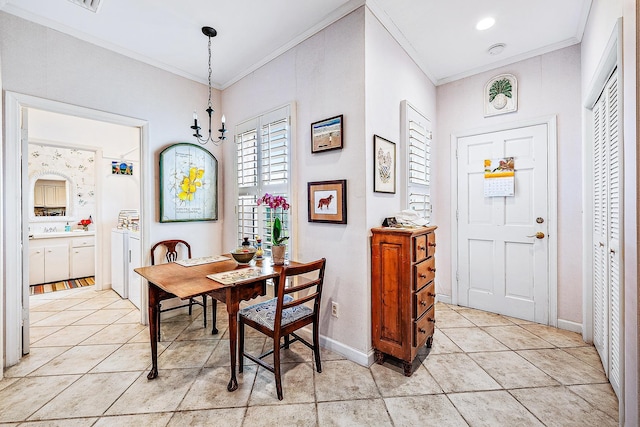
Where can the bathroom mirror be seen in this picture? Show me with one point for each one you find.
(50, 197)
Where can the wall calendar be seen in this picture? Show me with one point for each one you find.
(499, 177)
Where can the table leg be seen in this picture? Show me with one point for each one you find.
(232, 309)
(153, 330)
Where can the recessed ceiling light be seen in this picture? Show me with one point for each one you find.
(485, 23)
(496, 49)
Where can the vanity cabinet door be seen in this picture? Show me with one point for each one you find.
(83, 263)
(56, 263)
(36, 266)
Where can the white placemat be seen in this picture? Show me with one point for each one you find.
(204, 260)
(235, 276)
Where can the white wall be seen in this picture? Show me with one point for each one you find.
(46, 63)
(391, 77)
(324, 75)
(601, 23)
(547, 84)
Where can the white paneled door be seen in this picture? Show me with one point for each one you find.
(503, 242)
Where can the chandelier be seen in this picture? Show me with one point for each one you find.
(209, 32)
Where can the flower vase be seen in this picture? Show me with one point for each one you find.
(277, 254)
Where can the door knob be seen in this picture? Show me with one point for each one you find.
(538, 235)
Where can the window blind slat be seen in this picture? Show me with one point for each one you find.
(418, 152)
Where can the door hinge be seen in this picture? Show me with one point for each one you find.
(25, 316)
(456, 215)
(457, 276)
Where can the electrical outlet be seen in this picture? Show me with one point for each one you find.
(334, 309)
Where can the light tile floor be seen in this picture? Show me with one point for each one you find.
(89, 360)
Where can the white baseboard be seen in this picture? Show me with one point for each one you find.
(350, 353)
(570, 326)
(443, 298)
(337, 347)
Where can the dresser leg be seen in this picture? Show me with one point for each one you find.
(379, 357)
(408, 368)
(430, 341)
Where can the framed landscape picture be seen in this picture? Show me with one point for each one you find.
(326, 134)
(188, 184)
(327, 201)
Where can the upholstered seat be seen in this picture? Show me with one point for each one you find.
(264, 313)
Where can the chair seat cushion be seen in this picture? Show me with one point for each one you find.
(264, 313)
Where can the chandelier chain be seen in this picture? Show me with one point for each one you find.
(209, 32)
(209, 72)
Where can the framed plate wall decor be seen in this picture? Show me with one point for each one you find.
(188, 184)
(501, 95)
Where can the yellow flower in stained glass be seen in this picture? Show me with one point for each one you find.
(190, 184)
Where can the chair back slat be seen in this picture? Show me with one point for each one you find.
(300, 300)
(172, 252)
(302, 287)
(295, 271)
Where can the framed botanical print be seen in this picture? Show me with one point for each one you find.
(384, 165)
(188, 184)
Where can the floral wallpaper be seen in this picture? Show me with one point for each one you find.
(79, 165)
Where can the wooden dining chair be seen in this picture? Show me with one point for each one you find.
(281, 316)
(171, 255)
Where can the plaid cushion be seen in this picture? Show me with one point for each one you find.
(264, 313)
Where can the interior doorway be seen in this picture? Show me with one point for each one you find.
(16, 222)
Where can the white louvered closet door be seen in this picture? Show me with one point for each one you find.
(607, 168)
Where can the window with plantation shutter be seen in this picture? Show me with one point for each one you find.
(416, 140)
(263, 147)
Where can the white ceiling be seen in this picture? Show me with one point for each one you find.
(439, 35)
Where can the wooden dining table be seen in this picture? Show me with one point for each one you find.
(172, 280)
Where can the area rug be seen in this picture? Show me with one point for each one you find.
(60, 286)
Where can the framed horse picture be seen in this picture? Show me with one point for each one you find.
(328, 201)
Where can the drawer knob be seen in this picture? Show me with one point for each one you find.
(431, 269)
(422, 331)
(431, 320)
(430, 294)
(423, 276)
(423, 303)
(432, 244)
(421, 248)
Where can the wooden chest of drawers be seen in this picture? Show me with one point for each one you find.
(402, 292)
